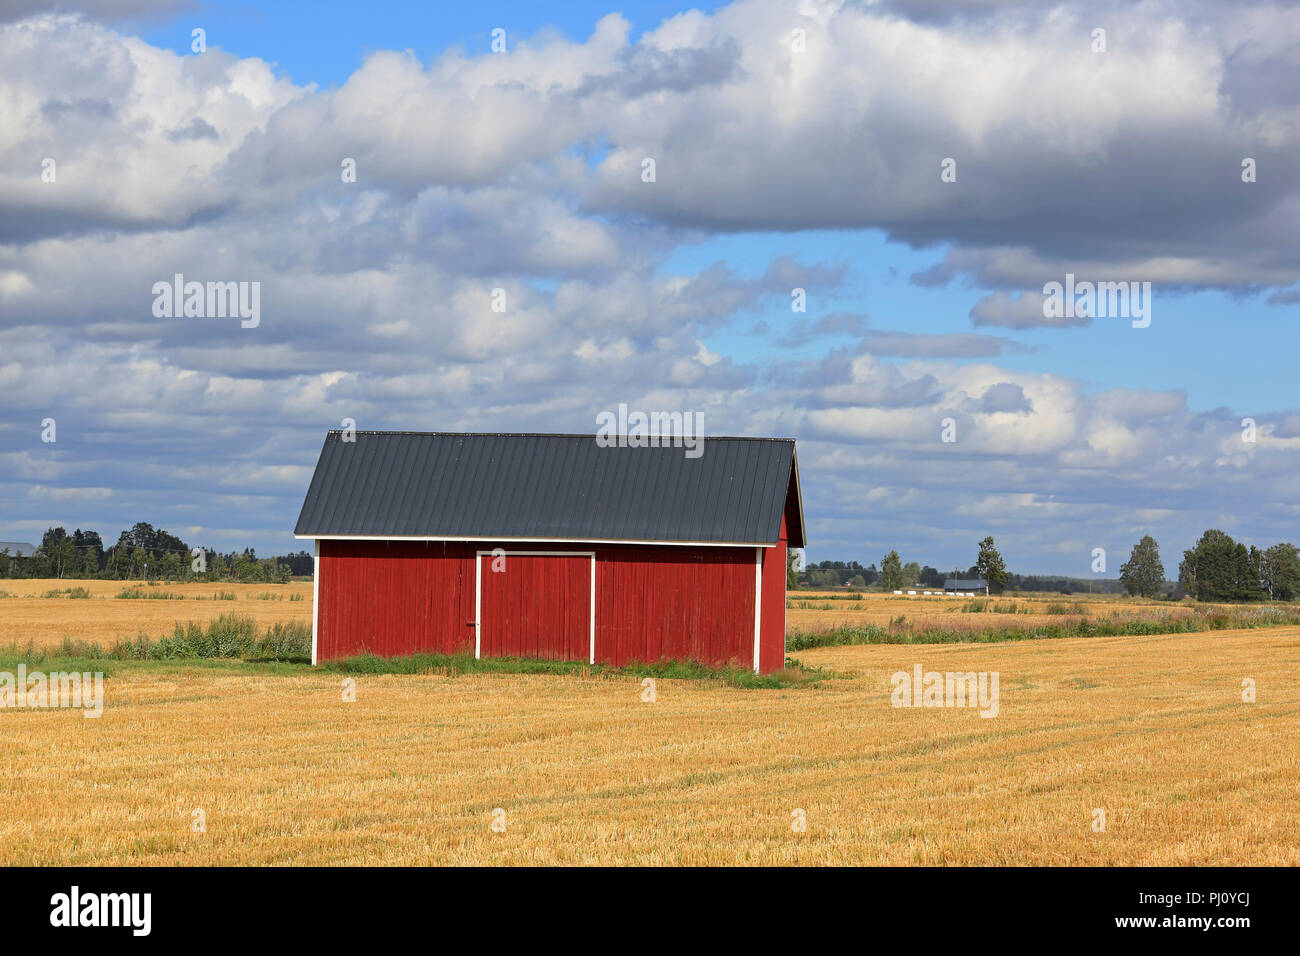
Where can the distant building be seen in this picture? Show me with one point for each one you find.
(18, 549)
(965, 584)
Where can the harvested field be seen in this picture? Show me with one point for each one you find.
(1151, 729)
(817, 611)
(104, 618)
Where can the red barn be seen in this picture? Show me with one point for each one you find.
(552, 546)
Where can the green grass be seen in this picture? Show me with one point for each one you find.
(234, 641)
(794, 674)
(1056, 607)
(77, 592)
(137, 594)
(984, 605)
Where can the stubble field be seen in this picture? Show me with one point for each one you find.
(27, 617)
(1151, 730)
(820, 610)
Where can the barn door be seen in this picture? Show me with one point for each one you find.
(536, 604)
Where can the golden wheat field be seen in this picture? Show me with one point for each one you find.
(1152, 730)
(820, 610)
(27, 617)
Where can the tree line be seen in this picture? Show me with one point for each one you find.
(894, 575)
(143, 551)
(1221, 569)
(1217, 569)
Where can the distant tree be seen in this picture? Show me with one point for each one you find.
(791, 569)
(1245, 573)
(824, 579)
(990, 566)
(1279, 571)
(173, 566)
(302, 563)
(87, 563)
(56, 555)
(891, 571)
(1187, 580)
(858, 581)
(931, 578)
(911, 573)
(155, 542)
(138, 562)
(1209, 569)
(90, 551)
(1220, 569)
(1143, 574)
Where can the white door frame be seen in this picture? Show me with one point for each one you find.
(478, 592)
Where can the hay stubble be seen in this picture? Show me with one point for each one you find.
(1151, 728)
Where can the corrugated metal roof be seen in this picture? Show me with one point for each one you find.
(438, 484)
(963, 584)
(18, 549)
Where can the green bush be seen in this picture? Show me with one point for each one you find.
(140, 594)
(77, 592)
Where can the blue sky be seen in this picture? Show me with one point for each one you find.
(1243, 371)
(324, 42)
(779, 165)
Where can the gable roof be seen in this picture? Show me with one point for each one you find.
(18, 549)
(561, 487)
(964, 584)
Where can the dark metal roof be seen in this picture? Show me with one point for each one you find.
(437, 484)
(963, 584)
(18, 549)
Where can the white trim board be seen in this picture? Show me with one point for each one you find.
(478, 592)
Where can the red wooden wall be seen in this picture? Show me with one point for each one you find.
(536, 607)
(656, 603)
(393, 598)
(652, 603)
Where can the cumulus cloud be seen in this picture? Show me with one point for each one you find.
(1024, 310)
(947, 345)
(109, 10)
